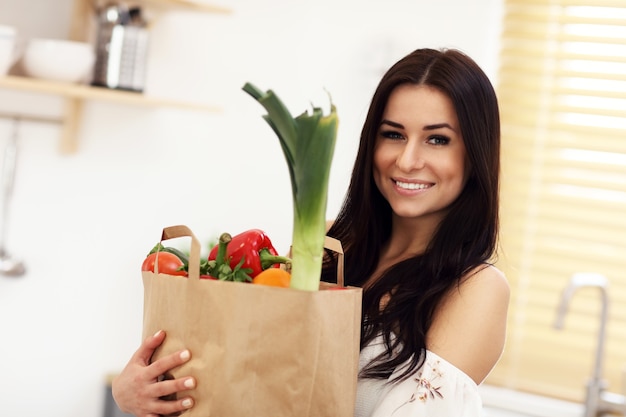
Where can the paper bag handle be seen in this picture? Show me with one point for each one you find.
(335, 245)
(173, 232)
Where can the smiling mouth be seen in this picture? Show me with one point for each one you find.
(412, 185)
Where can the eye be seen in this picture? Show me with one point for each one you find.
(439, 140)
(391, 134)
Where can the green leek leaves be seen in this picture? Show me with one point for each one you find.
(308, 143)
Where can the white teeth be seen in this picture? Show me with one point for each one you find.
(412, 185)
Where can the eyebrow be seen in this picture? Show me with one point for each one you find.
(427, 127)
(438, 126)
(392, 124)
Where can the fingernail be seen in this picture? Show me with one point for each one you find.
(158, 333)
(184, 355)
(190, 383)
(187, 403)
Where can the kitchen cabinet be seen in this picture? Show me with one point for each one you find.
(83, 27)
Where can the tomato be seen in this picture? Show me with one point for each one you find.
(169, 264)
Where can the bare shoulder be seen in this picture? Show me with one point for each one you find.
(469, 327)
(486, 282)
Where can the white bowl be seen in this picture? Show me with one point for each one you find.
(58, 60)
(7, 48)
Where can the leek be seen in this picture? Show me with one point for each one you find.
(308, 143)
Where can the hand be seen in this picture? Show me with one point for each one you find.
(139, 388)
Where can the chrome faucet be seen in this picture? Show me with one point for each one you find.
(598, 401)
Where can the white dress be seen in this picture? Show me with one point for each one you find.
(438, 389)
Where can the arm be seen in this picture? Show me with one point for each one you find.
(137, 389)
(469, 328)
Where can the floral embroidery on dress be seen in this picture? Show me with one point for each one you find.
(425, 388)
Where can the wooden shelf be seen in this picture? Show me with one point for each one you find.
(86, 92)
(197, 6)
(75, 94)
(185, 4)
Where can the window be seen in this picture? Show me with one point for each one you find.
(562, 91)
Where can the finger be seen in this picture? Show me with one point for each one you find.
(165, 408)
(168, 362)
(171, 386)
(147, 348)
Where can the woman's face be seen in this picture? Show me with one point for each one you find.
(419, 157)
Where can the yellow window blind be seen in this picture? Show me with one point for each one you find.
(562, 91)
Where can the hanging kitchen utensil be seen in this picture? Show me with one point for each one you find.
(9, 266)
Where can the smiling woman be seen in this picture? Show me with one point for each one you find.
(419, 228)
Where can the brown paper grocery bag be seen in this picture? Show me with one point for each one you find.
(258, 351)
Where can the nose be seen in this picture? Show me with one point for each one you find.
(410, 157)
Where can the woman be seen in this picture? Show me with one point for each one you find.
(419, 229)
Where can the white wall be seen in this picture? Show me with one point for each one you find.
(83, 223)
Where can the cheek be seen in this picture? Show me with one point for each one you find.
(463, 172)
(456, 170)
(383, 157)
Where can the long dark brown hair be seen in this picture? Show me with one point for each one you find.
(465, 239)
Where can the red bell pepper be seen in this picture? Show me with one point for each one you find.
(220, 267)
(251, 250)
